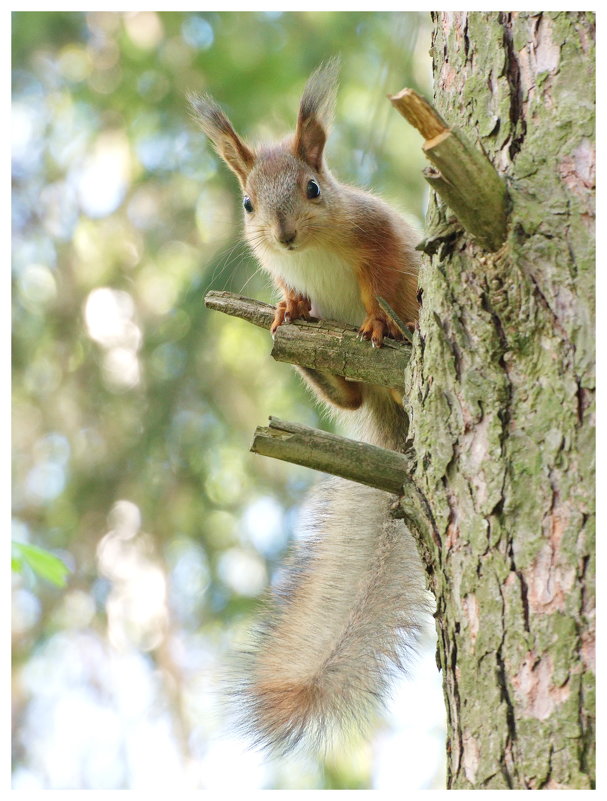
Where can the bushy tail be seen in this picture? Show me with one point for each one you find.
(340, 622)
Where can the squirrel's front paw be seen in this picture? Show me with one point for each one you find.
(296, 307)
(375, 327)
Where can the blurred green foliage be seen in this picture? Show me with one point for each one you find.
(133, 406)
(44, 564)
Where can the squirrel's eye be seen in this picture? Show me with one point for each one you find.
(246, 202)
(313, 189)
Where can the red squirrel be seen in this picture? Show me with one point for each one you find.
(352, 600)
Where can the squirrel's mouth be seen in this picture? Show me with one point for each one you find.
(290, 246)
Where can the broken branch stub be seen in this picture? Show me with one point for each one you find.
(462, 175)
(357, 461)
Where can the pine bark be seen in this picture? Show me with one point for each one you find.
(500, 395)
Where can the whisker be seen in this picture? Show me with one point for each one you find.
(230, 257)
(249, 279)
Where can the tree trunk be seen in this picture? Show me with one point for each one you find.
(500, 393)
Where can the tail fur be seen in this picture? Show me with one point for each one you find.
(341, 621)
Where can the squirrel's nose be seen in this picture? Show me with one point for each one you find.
(287, 237)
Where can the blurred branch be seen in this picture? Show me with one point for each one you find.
(366, 464)
(321, 344)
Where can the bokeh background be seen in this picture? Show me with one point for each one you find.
(134, 407)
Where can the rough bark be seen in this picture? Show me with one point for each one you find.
(500, 395)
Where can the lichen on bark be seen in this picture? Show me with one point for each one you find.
(501, 404)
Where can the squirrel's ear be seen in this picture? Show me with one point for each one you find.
(316, 113)
(232, 149)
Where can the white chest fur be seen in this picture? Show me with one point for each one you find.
(328, 280)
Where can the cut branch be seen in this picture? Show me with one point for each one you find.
(253, 311)
(366, 464)
(322, 344)
(463, 176)
(419, 113)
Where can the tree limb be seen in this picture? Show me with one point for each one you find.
(461, 174)
(322, 344)
(253, 311)
(357, 461)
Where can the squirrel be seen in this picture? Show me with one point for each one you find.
(351, 602)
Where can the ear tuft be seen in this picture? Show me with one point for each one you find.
(214, 123)
(316, 112)
(318, 99)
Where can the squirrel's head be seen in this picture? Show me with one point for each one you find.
(287, 189)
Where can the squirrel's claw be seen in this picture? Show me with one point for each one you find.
(279, 317)
(375, 327)
(294, 307)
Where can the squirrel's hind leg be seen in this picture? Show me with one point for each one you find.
(333, 388)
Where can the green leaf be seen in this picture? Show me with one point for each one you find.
(44, 564)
